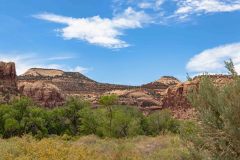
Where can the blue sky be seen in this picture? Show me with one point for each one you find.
(124, 42)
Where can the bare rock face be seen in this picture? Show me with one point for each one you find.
(175, 97)
(163, 83)
(168, 80)
(43, 72)
(8, 81)
(44, 94)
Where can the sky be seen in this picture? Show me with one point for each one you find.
(121, 41)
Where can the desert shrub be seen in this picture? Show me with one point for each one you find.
(189, 132)
(161, 122)
(126, 121)
(219, 113)
(11, 127)
(164, 147)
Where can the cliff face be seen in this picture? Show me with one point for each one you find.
(43, 94)
(49, 88)
(8, 81)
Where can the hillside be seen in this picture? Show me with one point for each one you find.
(51, 88)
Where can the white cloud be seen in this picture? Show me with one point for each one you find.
(145, 5)
(99, 31)
(133, 14)
(79, 69)
(188, 7)
(154, 4)
(26, 61)
(183, 8)
(212, 60)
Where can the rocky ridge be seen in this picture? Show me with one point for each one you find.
(51, 88)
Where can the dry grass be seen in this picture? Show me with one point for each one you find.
(166, 147)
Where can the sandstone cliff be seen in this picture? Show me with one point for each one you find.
(146, 97)
(175, 97)
(8, 81)
(44, 94)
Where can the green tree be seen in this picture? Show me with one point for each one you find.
(72, 108)
(35, 122)
(90, 120)
(57, 122)
(108, 101)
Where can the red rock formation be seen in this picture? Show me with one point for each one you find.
(136, 97)
(175, 97)
(8, 82)
(163, 83)
(44, 94)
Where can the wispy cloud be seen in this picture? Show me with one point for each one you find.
(27, 61)
(59, 58)
(190, 7)
(154, 4)
(99, 31)
(181, 9)
(212, 60)
(134, 14)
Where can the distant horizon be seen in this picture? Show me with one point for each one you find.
(164, 76)
(121, 42)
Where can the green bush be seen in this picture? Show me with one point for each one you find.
(219, 113)
(161, 122)
(11, 127)
(90, 121)
(125, 122)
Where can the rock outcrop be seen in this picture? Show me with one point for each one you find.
(175, 97)
(43, 72)
(163, 83)
(49, 87)
(8, 81)
(137, 97)
(44, 94)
